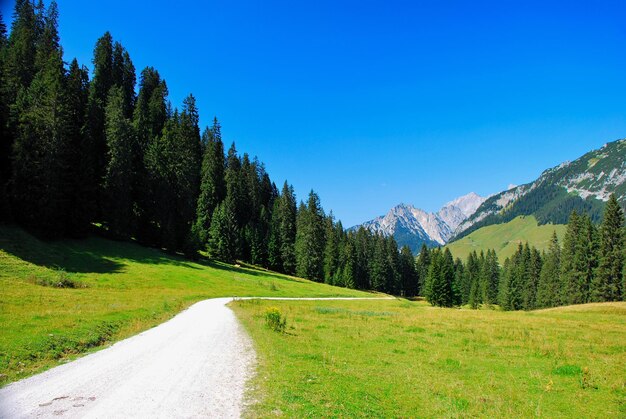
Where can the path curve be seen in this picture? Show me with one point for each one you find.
(194, 365)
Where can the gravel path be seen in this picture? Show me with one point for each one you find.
(194, 365)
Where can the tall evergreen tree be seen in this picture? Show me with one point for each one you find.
(18, 71)
(223, 234)
(422, 266)
(548, 289)
(491, 278)
(212, 184)
(287, 228)
(149, 118)
(119, 171)
(408, 274)
(78, 174)
(607, 282)
(41, 146)
(310, 239)
(101, 83)
(441, 277)
(331, 250)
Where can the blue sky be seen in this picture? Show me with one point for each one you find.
(376, 103)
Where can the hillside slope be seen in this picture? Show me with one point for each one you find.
(119, 289)
(583, 185)
(504, 238)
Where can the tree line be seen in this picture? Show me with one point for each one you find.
(79, 151)
(587, 267)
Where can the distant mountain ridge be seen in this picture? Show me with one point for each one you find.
(413, 227)
(582, 185)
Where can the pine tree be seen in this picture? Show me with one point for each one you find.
(79, 172)
(310, 239)
(470, 286)
(533, 272)
(348, 271)
(18, 71)
(41, 147)
(212, 186)
(422, 266)
(287, 228)
(94, 127)
(441, 279)
(149, 118)
(118, 176)
(223, 234)
(511, 294)
(491, 277)
(393, 257)
(408, 275)
(331, 251)
(274, 259)
(548, 289)
(6, 139)
(459, 272)
(607, 282)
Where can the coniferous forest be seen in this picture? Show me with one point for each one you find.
(105, 151)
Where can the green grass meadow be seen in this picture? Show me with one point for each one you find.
(120, 289)
(504, 238)
(396, 358)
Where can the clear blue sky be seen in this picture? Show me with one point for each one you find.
(376, 103)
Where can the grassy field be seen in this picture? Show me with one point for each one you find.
(504, 238)
(120, 289)
(398, 358)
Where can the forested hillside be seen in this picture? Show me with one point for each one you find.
(587, 267)
(81, 150)
(583, 185)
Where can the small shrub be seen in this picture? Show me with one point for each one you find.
(275, 320)
(567, 370)
(62, 280)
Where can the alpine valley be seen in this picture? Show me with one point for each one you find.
(584, 185)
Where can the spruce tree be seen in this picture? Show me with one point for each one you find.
(422, 266)
(491, 278)
(212, 184)
(80, 210)
(16, 75)
(548, 288)
(287, 228)
(119, 171)
(41, 148)
(223, 234)
(607, 282)
(310, 239)
(149, 118)
(441, 286)
(408, 274)
(99, 87)
(274, 259)
(331, 251)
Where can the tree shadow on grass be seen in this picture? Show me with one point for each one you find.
(246, 270)
(91, 255)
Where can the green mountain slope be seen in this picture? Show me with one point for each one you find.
(582, 185)
(504, 238)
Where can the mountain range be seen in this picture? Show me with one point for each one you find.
(413, 227)
(584, 185)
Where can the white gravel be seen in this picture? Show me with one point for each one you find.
(194, 365)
